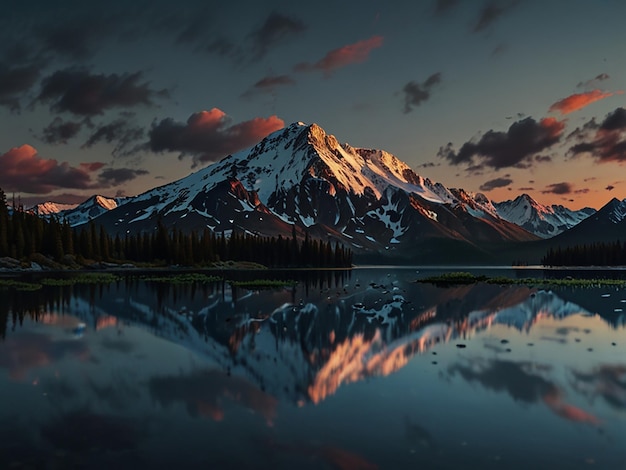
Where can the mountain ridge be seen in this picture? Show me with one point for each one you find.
(544, 221)
(366, 199)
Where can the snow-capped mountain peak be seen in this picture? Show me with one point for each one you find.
(50, 208)
(543, 221)
(367, 199)
(78, 214)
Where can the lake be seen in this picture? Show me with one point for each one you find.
(349, 370)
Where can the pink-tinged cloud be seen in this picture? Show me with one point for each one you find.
(209, 135)
(567, 411)
(24, 171)
(578, 101)
(25, 353)
(346, 55)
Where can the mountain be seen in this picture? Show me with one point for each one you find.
(50, 208)
(543, 221)
(81, 213)
(366, 199)
(608, 224)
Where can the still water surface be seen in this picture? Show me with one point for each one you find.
(348, 370)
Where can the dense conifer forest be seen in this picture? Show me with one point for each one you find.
(23, 235)
(593, 254)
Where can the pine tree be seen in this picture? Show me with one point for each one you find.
(4, 225)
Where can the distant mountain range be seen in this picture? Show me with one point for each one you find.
(78, 214)
(366, 199)
(543, 221)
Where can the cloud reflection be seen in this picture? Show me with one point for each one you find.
(22, 353)
(524, 382)
(204, 393)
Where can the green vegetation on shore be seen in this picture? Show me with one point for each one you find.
(263, 283)
(19, 285)
(184, 278)
(86, 278)
(461, 278)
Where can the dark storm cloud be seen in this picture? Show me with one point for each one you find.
(416, 93)
(428, 165)
(82, 93)
(120, 131)
(594, 81)
(512, 148)
(491, 12)
(209, 135)
(115, 176)
(14, 82)
(606, 142)
(273, 81)
(476, 169)
(275, 29)
(543, 158)
(24, 170)
(269, 84)
(495, 183)
(615, 121)
(558, 188)
(60, 131)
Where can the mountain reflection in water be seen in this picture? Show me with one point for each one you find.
(213, 350)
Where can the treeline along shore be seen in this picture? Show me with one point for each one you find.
(28, 238)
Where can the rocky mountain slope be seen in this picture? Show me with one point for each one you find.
(543, 221)
(367, 199)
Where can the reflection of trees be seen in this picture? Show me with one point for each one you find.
(16, 305)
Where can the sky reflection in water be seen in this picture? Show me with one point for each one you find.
(352, 371)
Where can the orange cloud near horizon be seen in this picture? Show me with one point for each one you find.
(578, 101)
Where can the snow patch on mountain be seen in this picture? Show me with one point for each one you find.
(90, 209)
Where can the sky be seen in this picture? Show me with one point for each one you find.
(501, 97)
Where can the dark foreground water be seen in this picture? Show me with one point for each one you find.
(347, 371)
